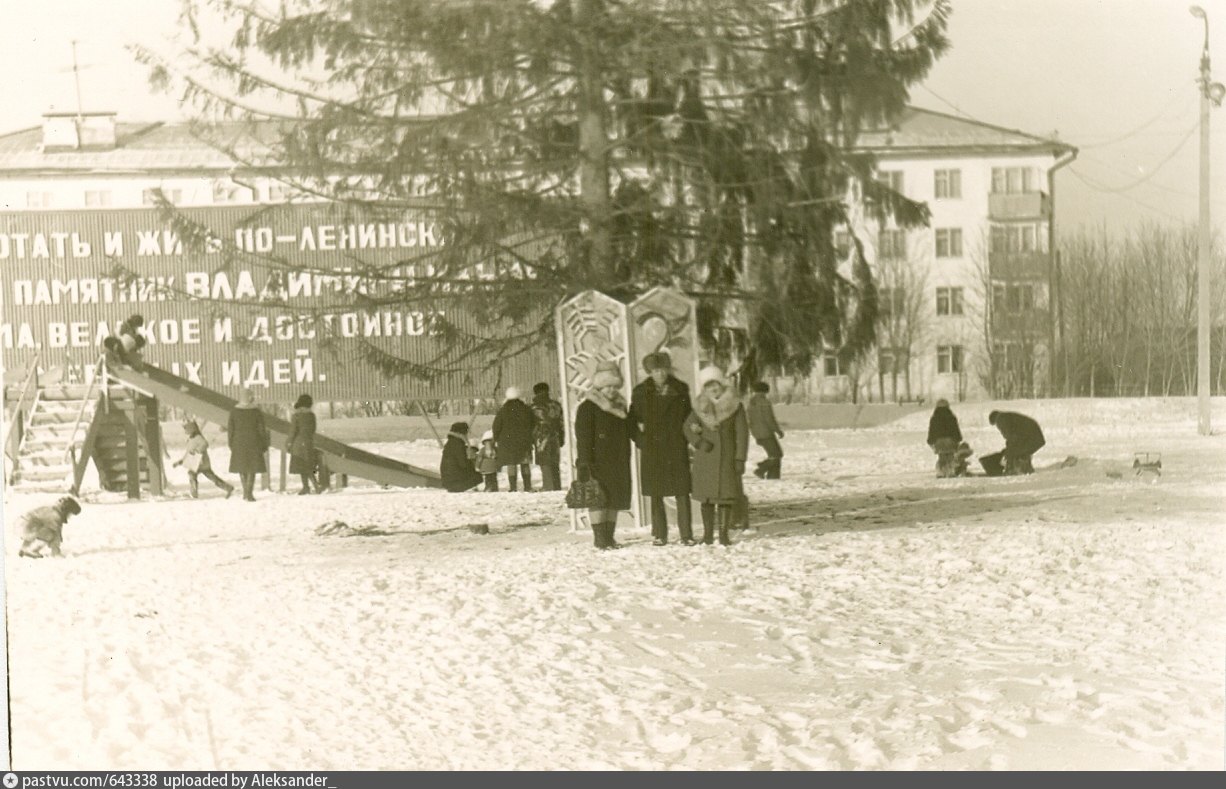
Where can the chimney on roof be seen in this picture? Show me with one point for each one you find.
(72, 131)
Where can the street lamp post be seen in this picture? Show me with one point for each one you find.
(1209, 91)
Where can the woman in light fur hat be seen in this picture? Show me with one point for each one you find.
(719, 432)
(602, 449)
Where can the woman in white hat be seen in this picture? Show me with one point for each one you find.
(602, 449)
(719, 433)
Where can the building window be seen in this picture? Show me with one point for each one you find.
(947, 184)
(230, 192)
(38, 199)
(890, 301)
(1013, 180)
(97, 198)
(891, 361)
(1016, 238)
(949, 358)
(891, 179)
(949, 242)
(1013, 299)
(832, 367)
(891, 245)
(175, 196)
(949, 301)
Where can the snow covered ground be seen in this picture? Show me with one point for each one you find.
(879, 619)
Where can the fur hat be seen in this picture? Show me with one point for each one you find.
(992, 417)
(761, 387)
(513, 393)
(541, 388)
(459, 427)
(710, 373)
(942, 403)
(488, 435)
(657, 361)
(607, 374)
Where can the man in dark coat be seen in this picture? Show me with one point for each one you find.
(513, 427)
(457, 468)
(658, 408)
(944, 436)
(1023, 437)
(549, 436)
(766, 431)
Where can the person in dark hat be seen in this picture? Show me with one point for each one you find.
(513, 430)
(548, 436)
(300, 444)
(765, 431)
(456, 467)
(659, 407)
(944, 437)
(1023, 437)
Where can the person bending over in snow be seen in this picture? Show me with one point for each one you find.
(1023, 437)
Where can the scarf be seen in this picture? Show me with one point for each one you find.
(615, 406)
(713, 412)
(462, 439)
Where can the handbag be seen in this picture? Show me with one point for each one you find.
(585, 495)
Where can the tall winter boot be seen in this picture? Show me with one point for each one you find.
(609, 542)
(725, 522)
(708, 523)
(684, 520)
(598, 535)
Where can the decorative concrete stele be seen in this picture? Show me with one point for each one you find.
(593, 328)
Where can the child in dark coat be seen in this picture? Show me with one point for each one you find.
(945, 438)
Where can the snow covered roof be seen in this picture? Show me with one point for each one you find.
(919, 130)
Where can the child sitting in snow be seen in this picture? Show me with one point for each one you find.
(487, 461)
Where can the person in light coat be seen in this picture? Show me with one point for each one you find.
(196, 460)
(719, 432)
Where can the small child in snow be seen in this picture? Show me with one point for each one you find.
(196, 461)
(487, 461)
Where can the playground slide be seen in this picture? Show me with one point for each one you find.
(215, 407)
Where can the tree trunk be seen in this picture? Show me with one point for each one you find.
(593, 143)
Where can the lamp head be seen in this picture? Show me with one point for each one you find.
(1197, 12)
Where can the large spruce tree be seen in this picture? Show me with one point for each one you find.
(576, 144)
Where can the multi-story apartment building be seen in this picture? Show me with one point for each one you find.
(966, 302)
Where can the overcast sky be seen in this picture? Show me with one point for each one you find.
(1114, 77)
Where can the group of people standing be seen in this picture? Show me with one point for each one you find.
(521, 434)
(690, 448)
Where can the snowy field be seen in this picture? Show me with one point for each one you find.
(880, 618)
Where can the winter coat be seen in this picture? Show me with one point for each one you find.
(549, 430)
(659, 416)
(248, 437)
(719, 433)
(301, 442)
(487, 459)
(603, 432)
(943, 424)
(455, 468)
(196, 456)
(1023, 436)
(762, 424)
(513, 433)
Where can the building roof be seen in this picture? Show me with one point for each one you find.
(178, 147)
(140, 148)
(921, 131)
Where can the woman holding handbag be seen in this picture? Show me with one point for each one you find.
(602, 450)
